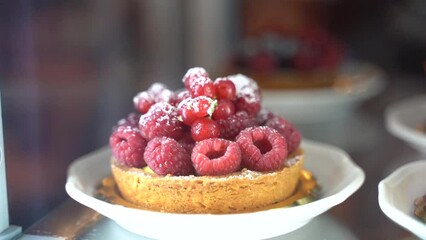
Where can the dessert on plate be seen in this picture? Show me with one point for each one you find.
(207, 148)
(420, 208)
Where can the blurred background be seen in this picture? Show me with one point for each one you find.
(69, 69)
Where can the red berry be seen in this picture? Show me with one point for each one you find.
(187, 142)
(203, 106)
(187, 115)
(251, 108)
(156, 88)
(224, 109)
(161, 120)
(248, 94)
(231, 126)
(131, 120)
(216, 156)
(166, 156)
(181, 95)
(262, 149)
(225, 89)
(204, 128)
(128, 146)
(263, 116)
(160, 93)
(193, 73)
(143, 101)
(202, 86)
(287, 130)
(191, 109)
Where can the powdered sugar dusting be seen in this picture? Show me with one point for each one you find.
(142, 95)
(164, 112)
(246, 88)
(200, 81)
(195, 72)
(156, 88)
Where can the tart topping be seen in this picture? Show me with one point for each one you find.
(216, 156)
(165, 155)
(203, 120)
(128, 146)
(262, 149)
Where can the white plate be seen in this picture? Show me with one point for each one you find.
(402, 118)
(397, 194)
(336, 173)
(323, 104)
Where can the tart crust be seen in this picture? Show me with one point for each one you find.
(237, 192)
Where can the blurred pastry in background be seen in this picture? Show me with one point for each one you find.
(287, 45)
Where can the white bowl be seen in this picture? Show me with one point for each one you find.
(323, 104)
(397, 194)
(338, 176)
(402, 118)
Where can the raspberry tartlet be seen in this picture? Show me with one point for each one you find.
(207, 148)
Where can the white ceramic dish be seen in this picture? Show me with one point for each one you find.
(318, 105)
(397, 194)
(403, 117)
(338, 180)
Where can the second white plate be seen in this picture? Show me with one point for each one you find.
(397, 194)
(324, 104)
(404, 116)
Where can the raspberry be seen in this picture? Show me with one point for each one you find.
(143, 101)
(128, 146)
(131, 120)
(166, 96)
(204, 128)
(263, 116)
(202, 86)
(287, 130)
(224, 109)
(251, 107)
(262, 149)
(160, 93)
(187, 142)
(215, 156)
(156, 88)
(166, 156)
(231, 126)
(248, 94)
(181, 95)
(192, 74)
(161, 120)
(225, 89)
